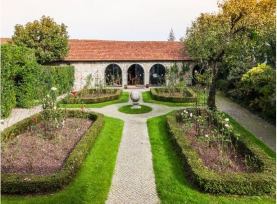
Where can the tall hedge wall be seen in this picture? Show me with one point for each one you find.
(62, 77)
(19, 78)
(24, 82)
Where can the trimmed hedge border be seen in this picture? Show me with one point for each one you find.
(257, 183)
(29, 183)
(191, 98)
(71, 100)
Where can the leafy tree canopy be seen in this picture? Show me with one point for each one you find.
(242, 32)
(48, 39)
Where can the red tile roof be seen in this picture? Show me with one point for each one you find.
(108, 50)
(104, 50)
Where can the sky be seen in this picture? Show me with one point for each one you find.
(108, 19)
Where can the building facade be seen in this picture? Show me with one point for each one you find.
(125, 63)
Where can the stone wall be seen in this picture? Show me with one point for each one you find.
(82, 69)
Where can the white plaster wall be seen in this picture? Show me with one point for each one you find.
(83, 69)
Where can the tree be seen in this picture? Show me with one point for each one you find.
(171, 36)
(212, 38)
(46, 37)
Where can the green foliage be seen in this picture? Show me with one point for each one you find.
(19, 76)
(24, 82)
(257, 89)
(123, 98)
(260, 182)
(232, 40)
(52, 116)
(29, 183)
(46, 37)
(128, 109)
(172, 180)
(61, 77)
(188, 95)
(107, 95)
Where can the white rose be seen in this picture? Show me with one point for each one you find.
(226, 125)
(190, 114)
(206, 135)
(227, 119)
(54, 88)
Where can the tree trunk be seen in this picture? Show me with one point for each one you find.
(212, 91)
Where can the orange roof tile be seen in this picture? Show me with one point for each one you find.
(105, 50)
(108, 50)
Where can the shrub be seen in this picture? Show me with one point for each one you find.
(189, 95)
(8, 99)
(256, 90)
(260, 182)
(112, 94)
(223, 85)
(61, 77)
(21, 72)
(29, 183)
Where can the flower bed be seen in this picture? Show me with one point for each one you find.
(22, 179)
(217, 159)
(164, 94)
(92, 96)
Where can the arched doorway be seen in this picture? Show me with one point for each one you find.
(157, 75)
(113, 75)
(135, 75)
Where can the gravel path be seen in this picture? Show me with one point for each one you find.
(259, 127)
(134, 180)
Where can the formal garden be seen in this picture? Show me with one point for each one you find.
(165, 144)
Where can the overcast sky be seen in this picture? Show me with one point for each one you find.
(108, 19)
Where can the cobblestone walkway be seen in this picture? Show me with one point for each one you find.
(259, 127)
(134, 180)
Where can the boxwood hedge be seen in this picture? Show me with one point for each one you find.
(112, 94)
(260, 182)
(19, 78)
(24, 82)
(12, 183)
(190, 95)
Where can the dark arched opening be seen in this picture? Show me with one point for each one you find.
(113, 75)
(157, 75)
(135, 75)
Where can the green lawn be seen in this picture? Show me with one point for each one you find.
(128, 109)
(124, 97)
(171, 180)
(147, 98)
(93, 181)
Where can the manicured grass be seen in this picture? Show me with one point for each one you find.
(124, 97)
(93, 181)
(147, 98)
(128, 109)
(171, 180)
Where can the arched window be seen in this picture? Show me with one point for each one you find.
(157, 75)
(113, 75)
(135, 75)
